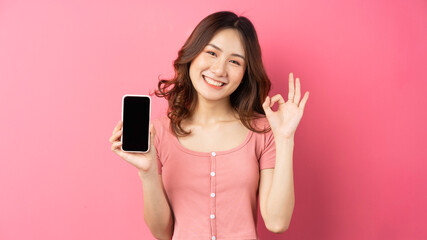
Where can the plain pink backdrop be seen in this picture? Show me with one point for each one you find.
(360, 151)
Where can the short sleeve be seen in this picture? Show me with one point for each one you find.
(268, 152)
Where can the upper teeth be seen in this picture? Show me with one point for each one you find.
(210, 81)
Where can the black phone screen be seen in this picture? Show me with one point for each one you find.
(136, 123)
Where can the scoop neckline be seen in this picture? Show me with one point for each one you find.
(197, 153)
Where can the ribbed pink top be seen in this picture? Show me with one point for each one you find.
(213, 195)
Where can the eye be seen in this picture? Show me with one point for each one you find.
(211, 53)
(236, 62)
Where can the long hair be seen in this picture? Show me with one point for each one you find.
(246, 100)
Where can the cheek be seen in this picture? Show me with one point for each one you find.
(197, 61)
(201, 61)
(238, 75)
(195, 66)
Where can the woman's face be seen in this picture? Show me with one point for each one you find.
(218, 70)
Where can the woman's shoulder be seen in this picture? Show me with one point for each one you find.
(260, 121)
(163, 134)
(263, 139)
(161, 124)
(160, 120)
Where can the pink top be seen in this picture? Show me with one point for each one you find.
(213, 195)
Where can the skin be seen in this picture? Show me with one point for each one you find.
(215, 124)
(276, 189)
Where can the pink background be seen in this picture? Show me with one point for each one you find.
(360, 152)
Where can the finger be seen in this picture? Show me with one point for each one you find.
(116, 146)
(277, 98)
(291, 87)
(115, 136)
(266, 106)
(304, 100)
(118, 126)
(297, 91)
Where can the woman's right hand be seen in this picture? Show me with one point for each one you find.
(143, 161)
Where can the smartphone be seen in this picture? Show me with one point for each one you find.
(136, 123)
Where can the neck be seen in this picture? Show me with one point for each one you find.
(211, 112)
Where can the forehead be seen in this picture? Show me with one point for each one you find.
(229, 41)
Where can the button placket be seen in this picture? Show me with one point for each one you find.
(212, 195)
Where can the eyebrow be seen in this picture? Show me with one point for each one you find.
(219, 49)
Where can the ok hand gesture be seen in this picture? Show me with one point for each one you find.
(285, 120)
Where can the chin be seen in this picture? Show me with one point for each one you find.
(212, 97)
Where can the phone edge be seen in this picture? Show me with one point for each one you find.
(149, 121)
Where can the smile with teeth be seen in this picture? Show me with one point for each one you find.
(213, 82)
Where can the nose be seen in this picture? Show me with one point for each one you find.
(218, 67)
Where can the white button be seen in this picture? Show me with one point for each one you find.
(214, 154)
(212, 194)
(213, 237)
(212, 174)
(212, 216)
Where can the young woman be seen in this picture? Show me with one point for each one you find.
(221, 146)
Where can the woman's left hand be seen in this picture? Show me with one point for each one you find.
(285, 120)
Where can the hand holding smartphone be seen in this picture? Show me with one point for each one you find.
(136, 123)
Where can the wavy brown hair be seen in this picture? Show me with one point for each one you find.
(246, 100)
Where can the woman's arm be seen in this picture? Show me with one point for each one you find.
(157, 212)
(277, 197)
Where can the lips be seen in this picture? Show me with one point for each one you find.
(213, 82)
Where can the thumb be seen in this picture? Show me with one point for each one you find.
(152, 131)
(152, 134)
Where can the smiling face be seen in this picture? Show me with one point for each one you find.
(218, 70)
